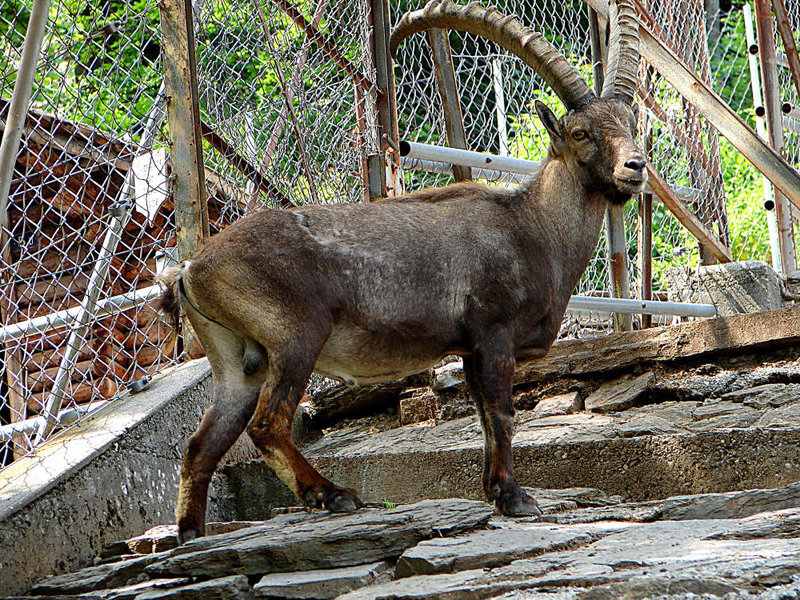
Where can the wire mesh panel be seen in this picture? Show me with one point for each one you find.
(81, 159)
(282, 102)
(288, 103)
(497, 92)
(90, 198)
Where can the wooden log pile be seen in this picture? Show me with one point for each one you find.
(66, 177)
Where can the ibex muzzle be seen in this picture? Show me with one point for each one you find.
(372, 292)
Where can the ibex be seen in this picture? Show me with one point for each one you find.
(373, 292)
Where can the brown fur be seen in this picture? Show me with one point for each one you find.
(372, 292)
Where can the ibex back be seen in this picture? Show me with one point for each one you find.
(372, 292)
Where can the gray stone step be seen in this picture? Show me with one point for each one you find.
(320, 540)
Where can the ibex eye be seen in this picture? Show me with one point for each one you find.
(578, 135)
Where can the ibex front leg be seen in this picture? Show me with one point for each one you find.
(489, 377)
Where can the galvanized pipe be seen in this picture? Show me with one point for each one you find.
(29, 426)
(494, 165)
(65, 318)
(18, 110)
(120, 212)
(645, 307)
(769, 76)
(432, 166)
(761, 129)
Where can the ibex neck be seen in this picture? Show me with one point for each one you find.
(570, 215)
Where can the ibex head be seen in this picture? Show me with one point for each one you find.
(595, 138)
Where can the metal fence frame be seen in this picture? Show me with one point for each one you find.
(377, 146)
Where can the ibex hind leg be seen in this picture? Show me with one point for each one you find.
(489, 380)
(235, 397)
(270, 427)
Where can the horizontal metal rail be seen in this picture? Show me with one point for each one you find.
(433, 166)
(29, 426)
(645, 307)
(65, 318)
(430, 158)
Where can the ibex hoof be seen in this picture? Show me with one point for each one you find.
(343, 501)
(338, 500)
(188, 535)
(518, 505)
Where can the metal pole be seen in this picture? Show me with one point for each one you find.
(386, 101)
(769, 75)
(500, 106)
(616, 244)
(761, 129)
(493, 166)
(789, 45)
(645, 214)
(65, 318)
(448, 92)
(18, 110)
(120, 212)
(628, 306)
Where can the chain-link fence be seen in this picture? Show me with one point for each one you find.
(287, 91)
(497, 92)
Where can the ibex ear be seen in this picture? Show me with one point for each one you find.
(549, 120)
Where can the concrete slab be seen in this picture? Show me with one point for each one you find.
(109, 478)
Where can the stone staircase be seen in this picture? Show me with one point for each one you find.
(692, 433)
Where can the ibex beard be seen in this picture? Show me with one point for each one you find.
(370, 293)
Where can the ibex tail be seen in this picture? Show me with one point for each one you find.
(169, 301)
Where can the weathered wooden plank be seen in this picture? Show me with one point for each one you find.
(718, 250)
(726, 335)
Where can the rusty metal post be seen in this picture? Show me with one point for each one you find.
(386, 104)
(645, 238)
(9, 149)
(185, 138)
(789, 45)
(448, 92)
(769, 76)
(616, 244)
(185, 130)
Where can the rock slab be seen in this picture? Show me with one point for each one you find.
(619, 394)
(483, 549)
(321, 584)
(298, 542)
(235, 587)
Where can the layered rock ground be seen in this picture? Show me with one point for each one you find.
(694, 441)
(587, 546)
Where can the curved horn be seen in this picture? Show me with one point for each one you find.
(622, 72)
(508, 32)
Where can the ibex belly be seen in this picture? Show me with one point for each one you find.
(358, 357)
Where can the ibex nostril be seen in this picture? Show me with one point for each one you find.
(636, 164)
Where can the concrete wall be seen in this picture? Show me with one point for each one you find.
(108, 479)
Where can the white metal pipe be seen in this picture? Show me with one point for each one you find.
(761, 129)
(18, 110)
(65, 318)
(432, 166)
(29, 426)
(467, 158)
(429, 153)
(645, 307)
